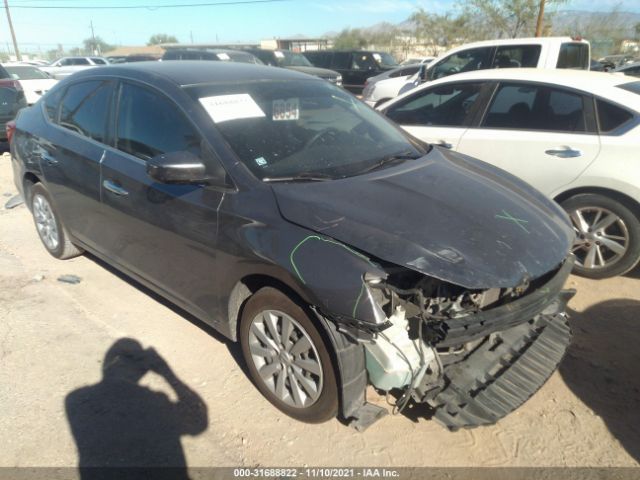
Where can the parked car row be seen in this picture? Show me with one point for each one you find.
(545, 52)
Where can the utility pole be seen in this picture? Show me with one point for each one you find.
(96, 48)
(540, 19)
(13, 33)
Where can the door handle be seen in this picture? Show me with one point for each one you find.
(567, 152)
(444, 144)
(115, 188)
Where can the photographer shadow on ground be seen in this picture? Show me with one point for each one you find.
(601, 367)
(119, 423)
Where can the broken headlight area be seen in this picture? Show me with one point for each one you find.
(471, 355)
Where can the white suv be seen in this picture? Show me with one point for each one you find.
(66, 66)
(543, 52)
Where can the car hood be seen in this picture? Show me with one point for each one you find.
(445, 215)
(318, 72)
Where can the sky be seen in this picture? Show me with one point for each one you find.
(43, 28)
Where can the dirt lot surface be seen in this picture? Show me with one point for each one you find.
(54, 336)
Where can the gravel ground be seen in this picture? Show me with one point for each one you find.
(54, 337)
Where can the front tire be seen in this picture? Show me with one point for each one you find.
(50, 229)
(607, 235)
(287, 359)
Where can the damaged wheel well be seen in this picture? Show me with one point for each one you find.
(28, 181)
(249, 285)
(347, 357)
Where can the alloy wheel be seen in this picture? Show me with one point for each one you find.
(602, 237)
(286, 358)
(45, 222)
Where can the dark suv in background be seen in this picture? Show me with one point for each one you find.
(215, 54)
(294, 61)
(12, 99)
(355, 66)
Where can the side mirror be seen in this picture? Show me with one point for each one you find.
(177, 167)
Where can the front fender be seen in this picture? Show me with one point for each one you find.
(330, 274)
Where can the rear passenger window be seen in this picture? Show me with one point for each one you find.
(341, 60)
(536, 107)
(447, 105)
(85, 109)
(517, 56)
(149, 125)
(611, 116)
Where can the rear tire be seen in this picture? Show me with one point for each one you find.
(603, 252)
(50, 229)
(287, 359)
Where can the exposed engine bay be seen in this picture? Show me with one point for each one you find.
(472, 355)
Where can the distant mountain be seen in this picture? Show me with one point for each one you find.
(570, 19)
(562, 20)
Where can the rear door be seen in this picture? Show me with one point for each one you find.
(165, 233)
(439, 114)
(544, 134)
(70, 156)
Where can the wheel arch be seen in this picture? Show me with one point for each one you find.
(29, 179)
(247, 286)
(624, 199)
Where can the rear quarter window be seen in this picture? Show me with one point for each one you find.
(574, 55)
(611, 116)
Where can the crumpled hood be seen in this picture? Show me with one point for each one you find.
(445, 215)
(317, 71)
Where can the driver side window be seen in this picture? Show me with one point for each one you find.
(148, 124)
(464, 61)
(444, 105)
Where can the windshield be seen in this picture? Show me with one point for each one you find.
(286, 58)
(302, 128)
(26, 73)
(385, 59)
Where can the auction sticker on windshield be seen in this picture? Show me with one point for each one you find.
(222, 108)
(286, 109)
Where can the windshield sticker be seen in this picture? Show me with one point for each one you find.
(222, 108)
(286, 109)
(378, 57)
(223, 56)
(278, 54)
(261, 161)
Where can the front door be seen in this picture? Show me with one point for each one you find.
(542, 134)
(438, 115)
(164, 233)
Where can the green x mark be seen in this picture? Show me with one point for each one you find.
(518, 221)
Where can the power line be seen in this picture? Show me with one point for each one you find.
(148, 7)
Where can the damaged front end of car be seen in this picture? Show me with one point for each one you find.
(472, 355)
(448, 273)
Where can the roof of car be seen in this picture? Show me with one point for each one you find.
(195, 72)
(581, 79)
(598, 83)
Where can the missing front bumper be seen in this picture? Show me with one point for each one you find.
(501, 374)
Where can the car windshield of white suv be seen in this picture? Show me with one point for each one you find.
(303, 129)
(26, 73)
(291, 59)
